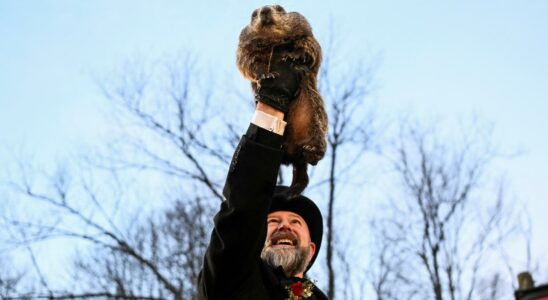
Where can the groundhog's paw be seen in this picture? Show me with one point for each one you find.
(269, 75)
(312, 154)
(294, 57)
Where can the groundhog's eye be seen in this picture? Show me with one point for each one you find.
(279, 8)
(254, 15)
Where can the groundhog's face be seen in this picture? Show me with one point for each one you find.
(267, 16)
(273, 23)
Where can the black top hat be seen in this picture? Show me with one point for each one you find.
(305, 208)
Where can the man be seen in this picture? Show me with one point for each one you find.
(262, 243)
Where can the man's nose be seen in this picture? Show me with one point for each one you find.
(283, 225)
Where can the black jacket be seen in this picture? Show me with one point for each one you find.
(232, 266)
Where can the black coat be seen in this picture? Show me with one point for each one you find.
(232, 266)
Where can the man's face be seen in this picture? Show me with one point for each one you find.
(288, 242)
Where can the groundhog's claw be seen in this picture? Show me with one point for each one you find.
(294, 57)
(269, 75)
(312, 154)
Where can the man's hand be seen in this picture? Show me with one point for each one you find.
(279, 90)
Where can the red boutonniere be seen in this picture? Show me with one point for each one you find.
(300, 290)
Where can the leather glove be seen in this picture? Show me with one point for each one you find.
(281, 85)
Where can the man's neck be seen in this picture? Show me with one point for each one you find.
(300, 275)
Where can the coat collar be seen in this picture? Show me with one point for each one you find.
(278, 282)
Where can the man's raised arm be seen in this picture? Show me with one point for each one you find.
(233, 254)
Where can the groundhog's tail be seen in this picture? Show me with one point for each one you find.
(300, 179)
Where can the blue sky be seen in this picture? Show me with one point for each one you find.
(436, 58)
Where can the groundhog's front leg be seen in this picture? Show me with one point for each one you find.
(309, 52)
(254, 66)
(256, 85)
(259, 70)
(268, 75)
(258, 73)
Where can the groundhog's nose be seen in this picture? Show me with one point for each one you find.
(266, 15)
(266, 11)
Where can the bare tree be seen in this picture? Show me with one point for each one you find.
(175, 242)
(167, 138)
(444, 222)
(10, 280)
(491, 288)
(176, 127)
(350, 131)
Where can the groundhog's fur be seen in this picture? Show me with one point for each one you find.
(273, 32)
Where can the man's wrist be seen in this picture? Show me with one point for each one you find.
(269, 122)
(270, 110)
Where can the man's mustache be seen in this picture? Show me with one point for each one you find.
(283, 238)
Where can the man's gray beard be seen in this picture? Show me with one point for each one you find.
(292, 260)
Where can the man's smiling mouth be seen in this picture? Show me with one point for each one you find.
(283, 239)
(284, 242)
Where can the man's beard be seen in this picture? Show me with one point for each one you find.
(292, 259)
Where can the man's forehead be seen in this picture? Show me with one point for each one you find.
(280, 213)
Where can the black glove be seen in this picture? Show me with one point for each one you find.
(278, 91)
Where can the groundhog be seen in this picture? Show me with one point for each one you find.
(273, 35)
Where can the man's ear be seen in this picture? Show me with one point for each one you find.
(312, 248)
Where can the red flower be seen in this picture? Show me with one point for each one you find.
(297, 289)
(300, 290)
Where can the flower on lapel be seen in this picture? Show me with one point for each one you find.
(300, 290)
